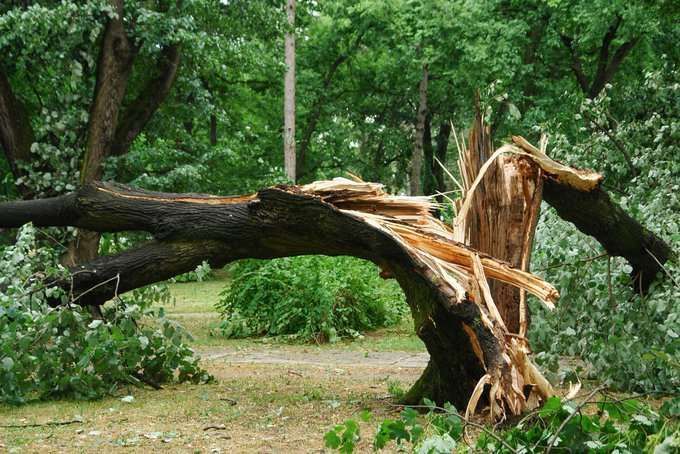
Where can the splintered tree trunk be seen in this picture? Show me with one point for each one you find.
(340, 217)
(503, 215)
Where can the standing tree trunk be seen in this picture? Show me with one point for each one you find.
(113, 70)
(289, 96)
(415, 183)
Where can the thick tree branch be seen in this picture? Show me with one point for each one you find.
(595, 213)
(116, 56)
(152, 95)
(331, 218)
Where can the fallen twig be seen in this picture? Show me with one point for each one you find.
(45, 424)
(231, 401)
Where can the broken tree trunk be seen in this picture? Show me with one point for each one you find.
(578, 197)
(503, 215)
(440, 277)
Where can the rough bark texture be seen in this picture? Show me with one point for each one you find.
(415, 184)
(289, 96)
(461, 336)
(113, 70)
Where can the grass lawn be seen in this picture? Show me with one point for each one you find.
(251, 408)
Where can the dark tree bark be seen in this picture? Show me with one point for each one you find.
(606, 66)
(596, 214)
(416, 165)
(428, 158)
(114, 66)
(16, 134)
(277, 222)
(155, 91)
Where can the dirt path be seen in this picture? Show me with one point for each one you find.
(315, 357)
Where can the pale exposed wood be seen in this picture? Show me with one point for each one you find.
(583, 180)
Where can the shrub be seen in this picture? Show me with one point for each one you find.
(309, 298)
(63, 352)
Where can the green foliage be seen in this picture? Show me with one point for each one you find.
(607, 425)
(308, 298)
(345, 436)
(628, 341)
(63, 352)
(201, 273)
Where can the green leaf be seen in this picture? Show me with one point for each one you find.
(7, 363)
(332, 439)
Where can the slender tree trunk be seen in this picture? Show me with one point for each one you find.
(441, 150)
(429, 187)
(213, 129)
(289, 96)
(415, 184)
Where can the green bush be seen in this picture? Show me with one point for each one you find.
(63, 352)
(309, 298)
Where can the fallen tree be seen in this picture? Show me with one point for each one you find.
(475, 356)
(338, 217)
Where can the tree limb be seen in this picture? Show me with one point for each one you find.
(139, 112)
(116, 56)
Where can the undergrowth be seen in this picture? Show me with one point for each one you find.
(308, 298)
(63, 352)
(603, 425)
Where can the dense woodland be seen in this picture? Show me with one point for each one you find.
(187, 96)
